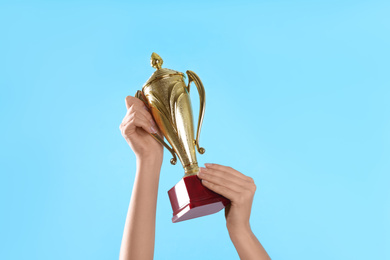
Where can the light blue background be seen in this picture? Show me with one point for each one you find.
(297, 97)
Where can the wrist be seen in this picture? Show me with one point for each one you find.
(149, 162)
(150, 156)
(239, 230)
(152, 160)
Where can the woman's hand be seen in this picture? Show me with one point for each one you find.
(135, 128)
(235, 186)
(139, 232)
(240, 189)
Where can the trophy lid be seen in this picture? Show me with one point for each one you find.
(156, 61)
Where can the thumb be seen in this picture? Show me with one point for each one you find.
(128, 101)
(227, 209)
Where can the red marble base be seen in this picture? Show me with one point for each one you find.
(190, 199)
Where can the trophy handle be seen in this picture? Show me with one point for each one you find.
(173, 161)
(202, 99)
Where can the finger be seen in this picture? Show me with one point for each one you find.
(130, 100)
(135, 111)
(224, 191)
(227, 176)
(139, 112)
(145, 113)
(145, 124)
(228, 169)
(139, 121)
(219, 178)
(130, 124)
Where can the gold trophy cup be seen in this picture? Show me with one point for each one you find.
(167, 97)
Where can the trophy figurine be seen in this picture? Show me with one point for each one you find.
(167, 97)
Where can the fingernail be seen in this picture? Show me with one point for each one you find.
(152, 122)
(146, 108)
(208, 164)
(202, 169)
(153, 130)
(204, 181)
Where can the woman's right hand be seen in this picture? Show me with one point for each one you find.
(237, 187)
(135, 128)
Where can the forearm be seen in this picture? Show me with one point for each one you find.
(139, 231)
(247, 245)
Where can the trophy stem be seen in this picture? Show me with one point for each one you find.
(191, 169)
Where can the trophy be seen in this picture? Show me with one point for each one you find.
(167, 97)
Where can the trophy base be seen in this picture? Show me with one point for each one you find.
(190, 199)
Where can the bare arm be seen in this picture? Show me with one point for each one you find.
(247, 245)
(139, 232)
(240, 189)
